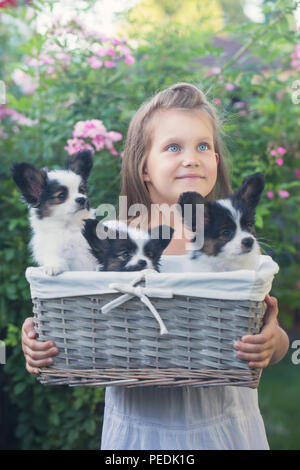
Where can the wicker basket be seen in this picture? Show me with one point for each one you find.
(140, 331)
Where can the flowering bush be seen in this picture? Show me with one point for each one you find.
(73, 88)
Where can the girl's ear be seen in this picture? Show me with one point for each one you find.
(146, 177)
(217, 158)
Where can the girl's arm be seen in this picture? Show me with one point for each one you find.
(270, 345)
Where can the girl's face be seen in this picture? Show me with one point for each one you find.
(182, 155)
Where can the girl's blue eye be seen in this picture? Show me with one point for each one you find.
(173, 148)
(203, 147)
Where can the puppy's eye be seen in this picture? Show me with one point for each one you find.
(124, 254)
(225, 233)
(82, 190)
(61, 196)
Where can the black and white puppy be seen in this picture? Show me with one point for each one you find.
(229, 236)
(58, 205)
(119, 247)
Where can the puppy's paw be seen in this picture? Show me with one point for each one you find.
(53, 270)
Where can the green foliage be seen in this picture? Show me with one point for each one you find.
(63, 418)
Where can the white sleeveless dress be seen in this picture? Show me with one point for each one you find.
(183, 418)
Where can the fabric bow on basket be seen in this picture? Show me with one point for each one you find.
(131, 290)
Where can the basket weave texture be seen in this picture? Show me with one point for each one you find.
(125, 347)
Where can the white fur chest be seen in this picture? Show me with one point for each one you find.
(60, 247)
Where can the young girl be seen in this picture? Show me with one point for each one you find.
(173, 145)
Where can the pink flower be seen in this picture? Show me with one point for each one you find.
(7, 3)
(63, 57)
(229, 86)
(27, 84)
(281, 150)
(295, 63)
(279, 161)
(283, 193)
(124, 50)
(270, 194)
(116, 41)
(102, 51)
(273, 152)
(240, 104)
(110, 51)
(109, 64)
(110, 147)
(46, 59)
(217, 101)
(95, 130)
(98, 142)
(94, 62)
(213, 71)
(19, 118)
(129, 60)
(297, 173)
(74, 145)
(114, 136)
(89, 129)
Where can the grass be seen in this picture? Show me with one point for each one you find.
(279, 404)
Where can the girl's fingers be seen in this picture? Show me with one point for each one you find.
(253, 348)
(28, 334)
(260, 338)
(271, 312)
(38, 363)
(38, 355)
(32, 370)
(28, 328)
(34, 345)
(259, 365)
(254, 357)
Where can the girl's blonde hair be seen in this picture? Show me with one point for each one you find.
(138, 141)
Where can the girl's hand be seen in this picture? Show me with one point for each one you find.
(259, 349)
(37, 353)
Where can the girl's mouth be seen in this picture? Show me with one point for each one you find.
(190, 177)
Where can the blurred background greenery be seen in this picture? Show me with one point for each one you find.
(60, 69)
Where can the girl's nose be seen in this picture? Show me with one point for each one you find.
(190, 162)
(190, 158)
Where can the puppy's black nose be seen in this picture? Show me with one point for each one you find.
(142, 264)
(247, 243)
(82, 201)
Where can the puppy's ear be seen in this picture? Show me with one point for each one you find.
(81, 163)
(160, 238)
(251, 190)
(189, 206)
(98, 244)
(30, 180)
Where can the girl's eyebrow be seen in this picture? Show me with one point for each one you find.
(178, 139)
